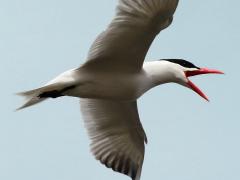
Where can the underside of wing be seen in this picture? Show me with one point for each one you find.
(116, 133)
(124, 44)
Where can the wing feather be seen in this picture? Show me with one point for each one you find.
(117, 136)
(124, 44)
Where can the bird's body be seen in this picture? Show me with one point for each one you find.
(85, 83)
(120, 86)
(115, 76)
(105, 85)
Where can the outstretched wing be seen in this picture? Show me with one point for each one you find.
(117, 136)
(124, 44)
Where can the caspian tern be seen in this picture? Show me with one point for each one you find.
(115, 76)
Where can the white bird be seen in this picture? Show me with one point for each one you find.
(114, 77)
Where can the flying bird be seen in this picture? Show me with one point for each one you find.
(114, 76)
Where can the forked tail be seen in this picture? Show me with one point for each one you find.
(35, 96)
(31, 97)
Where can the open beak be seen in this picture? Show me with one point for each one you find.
(199, 72)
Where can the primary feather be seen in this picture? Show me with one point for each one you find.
(116, 133)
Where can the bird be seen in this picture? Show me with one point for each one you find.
(115, 76)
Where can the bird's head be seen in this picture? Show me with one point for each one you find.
(183, 69)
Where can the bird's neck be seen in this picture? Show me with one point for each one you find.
(160, 72)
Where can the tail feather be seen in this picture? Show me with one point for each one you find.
(35, 96)
(53, 89)
(31, 97)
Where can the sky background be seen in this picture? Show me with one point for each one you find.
(188, 137)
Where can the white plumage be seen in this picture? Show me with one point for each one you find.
(112, 79)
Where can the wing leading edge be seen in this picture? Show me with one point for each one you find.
(124, 44)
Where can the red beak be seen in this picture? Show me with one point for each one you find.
(199, 72)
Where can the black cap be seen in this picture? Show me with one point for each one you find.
(182, 62)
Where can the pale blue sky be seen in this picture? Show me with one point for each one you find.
(188, 137)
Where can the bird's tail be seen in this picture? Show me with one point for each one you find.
(35, 96)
